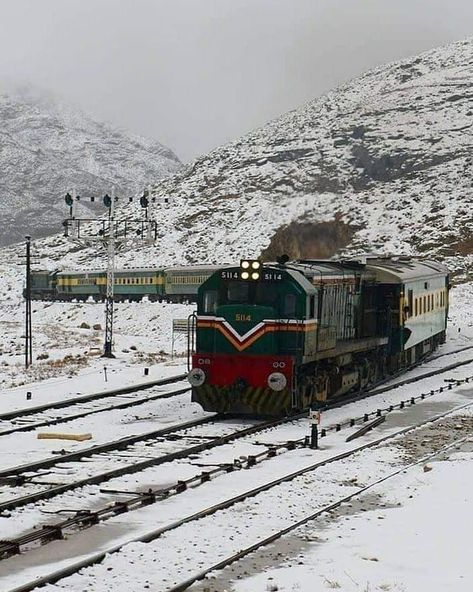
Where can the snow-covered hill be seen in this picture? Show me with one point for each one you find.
(381, 164)
(47, 147)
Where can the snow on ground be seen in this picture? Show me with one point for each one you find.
(178, 554)
(398, 544)
(418, 538)
(65, 342)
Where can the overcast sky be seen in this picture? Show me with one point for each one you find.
(197, 73)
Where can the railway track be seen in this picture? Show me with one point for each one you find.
(264, 542)
(140, 455)
(32, 418)
(142, 451)
(8, 419)
(232, 511)
(79, 410)
(35, 482)
(378, 388)
(89, 517)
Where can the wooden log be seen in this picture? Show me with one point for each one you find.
(56, 436)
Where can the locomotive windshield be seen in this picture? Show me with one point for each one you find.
(249, 293)
(240, 292)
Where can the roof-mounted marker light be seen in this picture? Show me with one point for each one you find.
(248, 269)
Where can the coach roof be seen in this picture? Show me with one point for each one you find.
(398, 271)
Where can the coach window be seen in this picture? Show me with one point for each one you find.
(210, 301)
(410, 298)
(289, 305)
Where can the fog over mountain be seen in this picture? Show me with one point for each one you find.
(196, 74)
(48, 147)
(380, 164)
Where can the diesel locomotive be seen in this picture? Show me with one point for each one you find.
(276, 338)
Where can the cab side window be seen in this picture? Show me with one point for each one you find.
(210, 301)
(311, 307)
(289, 305)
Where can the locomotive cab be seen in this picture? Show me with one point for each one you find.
(250, 335)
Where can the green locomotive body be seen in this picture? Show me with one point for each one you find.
(300, 333)
(43, 285)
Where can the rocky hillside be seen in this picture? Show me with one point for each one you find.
(47, 147)
(381, 164)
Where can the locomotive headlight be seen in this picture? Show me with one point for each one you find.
(277, 381)
(196, 377)
(249, 269)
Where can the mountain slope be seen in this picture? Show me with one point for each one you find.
(385, 160)
(380, 164)
(47, 147)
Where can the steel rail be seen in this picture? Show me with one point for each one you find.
(141, 465)
(120, 444)
(450, 353)
(150, 536)
(85, 518)
(51, 492)
(92, 397)
(280, 533)
(425, 375)
(338, 402)
(124, 405)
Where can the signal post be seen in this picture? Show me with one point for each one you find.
(112, 233)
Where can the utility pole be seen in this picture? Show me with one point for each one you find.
(107, 350)
(28, 333)
(112, 234)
